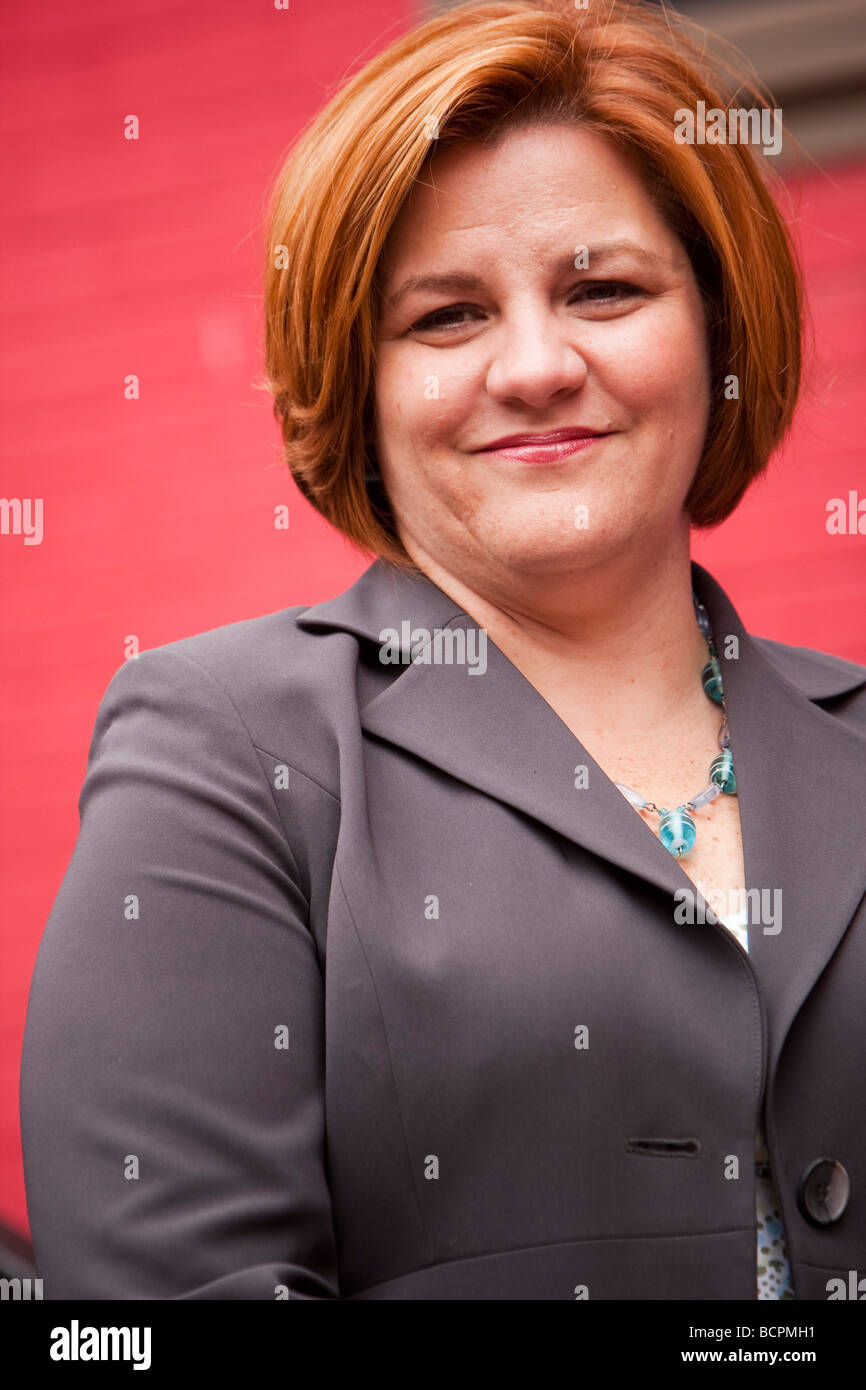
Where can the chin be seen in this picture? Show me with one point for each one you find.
(544, 550)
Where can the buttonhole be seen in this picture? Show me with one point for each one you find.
(663, 1148)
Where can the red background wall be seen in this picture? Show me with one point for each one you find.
(143, 257)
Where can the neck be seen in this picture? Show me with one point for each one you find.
(619, 642)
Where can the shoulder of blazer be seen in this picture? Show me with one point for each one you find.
(818, 675)
(288, 684)
(291, 691)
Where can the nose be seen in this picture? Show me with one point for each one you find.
(537, 357)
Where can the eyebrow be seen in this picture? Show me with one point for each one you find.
(459, 281)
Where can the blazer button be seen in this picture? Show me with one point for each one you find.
(822, 1192)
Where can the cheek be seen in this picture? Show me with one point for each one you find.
(420, 409)
(658, 364)
(419, 402)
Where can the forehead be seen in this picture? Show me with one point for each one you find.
(540, 185)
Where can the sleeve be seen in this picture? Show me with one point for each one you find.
(172, 1074)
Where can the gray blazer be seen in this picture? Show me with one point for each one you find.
(349, 991)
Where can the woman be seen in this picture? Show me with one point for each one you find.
(400, 955)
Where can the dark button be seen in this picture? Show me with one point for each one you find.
(822, 1192)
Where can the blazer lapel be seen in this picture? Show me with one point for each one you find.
(799, 770)
(800, 787)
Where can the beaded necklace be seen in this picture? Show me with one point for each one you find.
(677, 830)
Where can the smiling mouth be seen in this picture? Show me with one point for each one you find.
(545, 450)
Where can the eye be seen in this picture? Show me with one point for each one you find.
(607, 291)
(441, 318)
(600, 292)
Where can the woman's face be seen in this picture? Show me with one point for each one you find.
(525, 333)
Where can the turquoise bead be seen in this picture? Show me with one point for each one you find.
(677, 831)
(711, 680)
(722, 772)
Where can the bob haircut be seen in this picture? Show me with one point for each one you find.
(621, 68)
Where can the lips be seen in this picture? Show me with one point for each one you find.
(562, 436)
(552, 447)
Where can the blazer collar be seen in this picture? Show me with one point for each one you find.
(799, 769)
